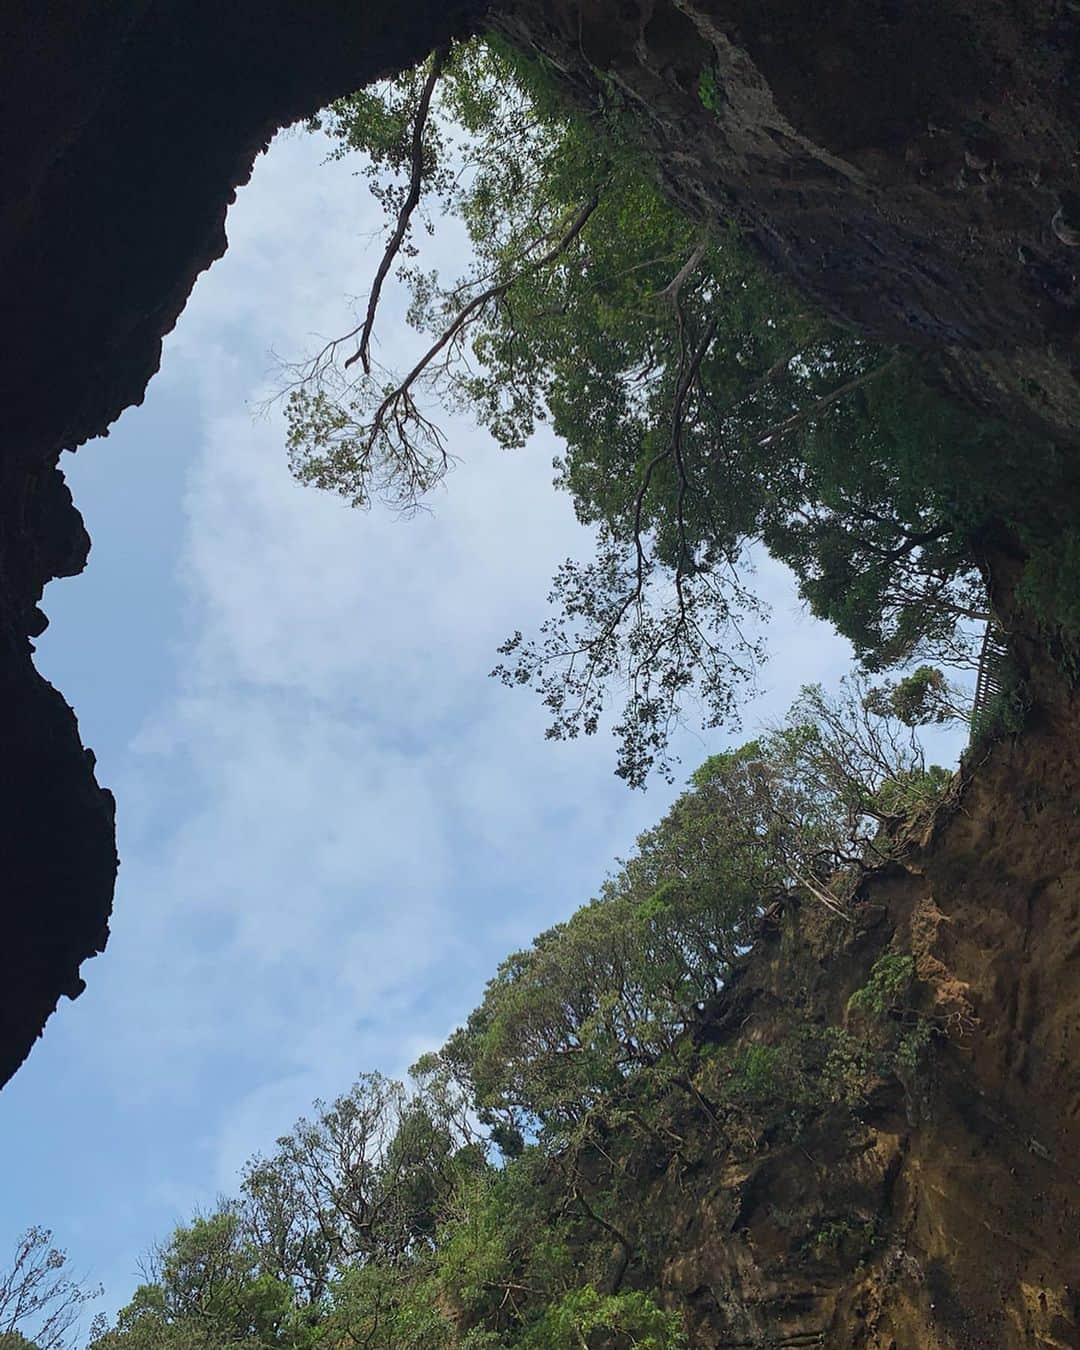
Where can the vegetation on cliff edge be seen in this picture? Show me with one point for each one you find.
(499, 1200)
(705, 410)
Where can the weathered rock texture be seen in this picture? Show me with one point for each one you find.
(124, 130)
(948, 1200)
(903, 161)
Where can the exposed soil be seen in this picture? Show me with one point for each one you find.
(950, 1200)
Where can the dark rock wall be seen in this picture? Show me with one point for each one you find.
(902, 161)
(124, 130)
(948, 1196)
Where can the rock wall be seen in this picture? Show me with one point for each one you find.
(940, 1212)
(913, 165)
(124, 130)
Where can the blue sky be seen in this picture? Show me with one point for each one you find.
(332, 825)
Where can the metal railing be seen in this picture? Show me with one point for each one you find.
(995, 676)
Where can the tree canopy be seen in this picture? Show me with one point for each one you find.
(705, 409)
(495, 1200)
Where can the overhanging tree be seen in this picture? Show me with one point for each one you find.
(704, 408)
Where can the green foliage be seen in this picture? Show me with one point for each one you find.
(208, 1289)
(704, 409)
(708, 89)
(844, 1235)
(608, 994)
(586, 1318)
(385, 1218)
(511, 1250)
(916, 793)
(1008, 711)
(363, 1179)
(779, 1089)
(868, 767)
(755, 1075)
(385, 1306)
(913, 1046)
(1049, 589)
(923, 698)
(889, 982)
(903, 1035)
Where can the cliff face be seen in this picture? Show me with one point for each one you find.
(125, 129)
(903, 163)
(938, 1211)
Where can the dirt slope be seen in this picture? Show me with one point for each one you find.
(944, 1213)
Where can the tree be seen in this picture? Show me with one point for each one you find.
(630, 1319)
(361, 1181)
(923, 698)
(704, 408)
(382, 1306)
(331, 1237)
(608, 995)
(869, 771)
(40, 1303)
(206, 1289)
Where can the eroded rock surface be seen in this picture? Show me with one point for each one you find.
(903, 163)
(940, 1212)
(125, 129)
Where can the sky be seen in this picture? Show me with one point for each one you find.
(332, 825)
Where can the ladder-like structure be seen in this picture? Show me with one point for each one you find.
(994, 678)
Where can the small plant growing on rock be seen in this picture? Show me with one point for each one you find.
(708, 89)
(839, 1234)
(889, 980)
(912, 1047)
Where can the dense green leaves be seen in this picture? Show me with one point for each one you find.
(631, 1319)
(609, 993)
(704, 409)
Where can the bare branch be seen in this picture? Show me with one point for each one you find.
(408, 206)
(402, 392)
(686, 271)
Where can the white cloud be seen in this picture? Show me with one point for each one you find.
(337, 825)
(371, 823)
